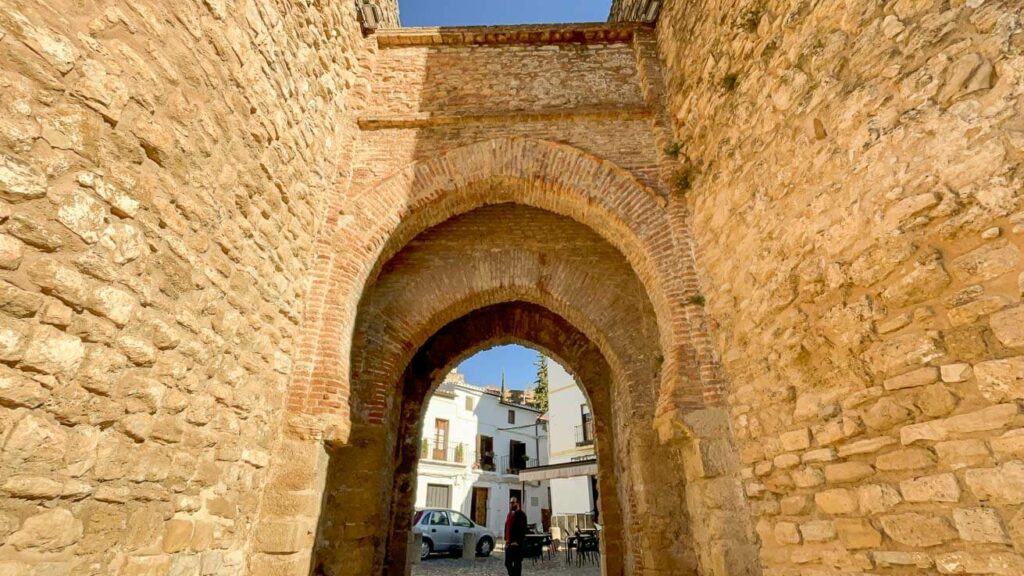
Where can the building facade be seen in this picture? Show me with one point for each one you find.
(571, 429)
(472, 449)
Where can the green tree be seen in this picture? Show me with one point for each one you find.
(540, 384)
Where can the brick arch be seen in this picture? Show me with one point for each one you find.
(438, 278)
(535, 327)
(422, 289)
(363, 231)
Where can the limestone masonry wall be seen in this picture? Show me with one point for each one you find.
(811, 214)
(856, 199)
(457, 80)
(164, 168)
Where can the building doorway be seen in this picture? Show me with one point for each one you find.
(478, 509)
(517, 494)
(517, 456)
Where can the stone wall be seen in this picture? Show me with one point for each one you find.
(382, 14)
(856, 197)
(571, 129)
(164, 168)
(635, 10)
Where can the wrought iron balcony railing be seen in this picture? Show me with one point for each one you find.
(451, 452)
(585, 434)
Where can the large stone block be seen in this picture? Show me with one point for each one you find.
(986, 419)
(969, 562)
(281, 537)
(50, 531)
(938, 488)
(918, 530)
(1008, 326)
(890, 356)
(836, 501)
(857, 533)
(1001, 380)
(991, 260)
(981, 525)
(848, 472)
(1003, 484)
(53, 352)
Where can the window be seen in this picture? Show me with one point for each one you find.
(511, 416)
(439, 519)
(585, 431)
(485, 452)
(440, 439)
(439, 496)
(469, 403)
(460, 520)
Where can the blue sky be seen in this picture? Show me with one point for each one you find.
(481, 12)
(517, 361)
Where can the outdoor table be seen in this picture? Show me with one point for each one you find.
(536, 542)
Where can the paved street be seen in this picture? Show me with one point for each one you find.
(493, 566)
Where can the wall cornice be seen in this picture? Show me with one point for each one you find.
(598, 33)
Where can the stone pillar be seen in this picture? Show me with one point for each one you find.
(468, 546)
(291, 508)
(415, 541)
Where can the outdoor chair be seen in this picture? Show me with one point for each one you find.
(588, 549)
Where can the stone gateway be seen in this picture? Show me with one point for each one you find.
(778, 243)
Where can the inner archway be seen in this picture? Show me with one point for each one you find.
(532, 326)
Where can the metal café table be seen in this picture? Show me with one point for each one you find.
(534, 546)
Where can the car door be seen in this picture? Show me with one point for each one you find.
(439, 531)
(460, 527)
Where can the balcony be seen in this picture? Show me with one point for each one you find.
(448, 452)
(513, 465)
(486, 462)
(585, 434)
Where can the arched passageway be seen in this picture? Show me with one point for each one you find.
(566, 290)
(511, 322)
(584, 261)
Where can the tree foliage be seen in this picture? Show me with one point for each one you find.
(540, 383)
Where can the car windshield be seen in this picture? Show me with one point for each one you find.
(416, 518)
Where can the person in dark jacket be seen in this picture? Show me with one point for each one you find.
(515, 536)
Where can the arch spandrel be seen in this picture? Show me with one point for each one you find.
(380, 219)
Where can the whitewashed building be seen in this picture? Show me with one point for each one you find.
(571, 430)
(472, 450)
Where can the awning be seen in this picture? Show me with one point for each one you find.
(564, 470)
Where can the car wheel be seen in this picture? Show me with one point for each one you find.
(426, 548)
(484, 547)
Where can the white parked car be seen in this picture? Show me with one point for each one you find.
(443, 531)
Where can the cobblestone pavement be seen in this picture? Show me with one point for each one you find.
(493, 566)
